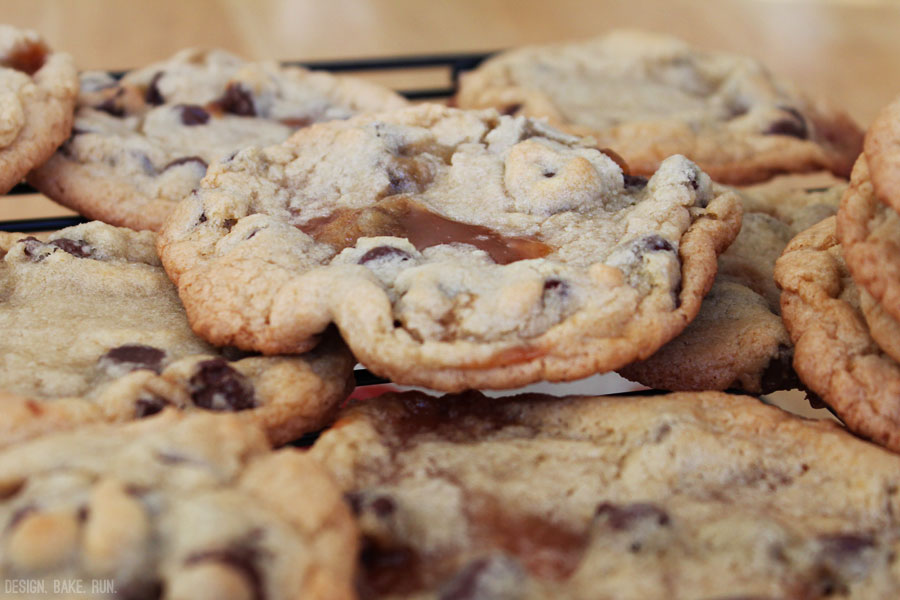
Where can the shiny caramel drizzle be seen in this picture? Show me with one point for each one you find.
(398, 216)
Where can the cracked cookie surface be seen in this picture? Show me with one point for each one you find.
(738, 340)
(95, 332)
(37, 101)
(834, 353)
(683, 496)
(182, 507)
(141, 144)
(648, 96)
(453, 249)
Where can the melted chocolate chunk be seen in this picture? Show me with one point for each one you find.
(401, 217)
(635, 181)
(76, 248)
(653, 243)
(185, 160)
(146, 406)
(229, 223)
(389, 570)
(136, 356)
(153, 96)
(510, 109)
(237, 101)
(382, 252)
(793, 125)
(474, 581)
(27, 58)
(779, 373)
(625, 516)
(242, 558)
(191, 114)
(217, 386)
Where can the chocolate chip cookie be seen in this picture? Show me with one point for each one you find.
(178, 507)
(37, 101)
(143, 143)
(882, 149)
(834, 353)
(869, 231)
(685, 496)
(453, 249)
(648, 96)
(94, 331)
(738, 340)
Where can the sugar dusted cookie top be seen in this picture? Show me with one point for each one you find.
(453, 249)
(37, 101)
(143, 143)
(648, 96)
(179, 507)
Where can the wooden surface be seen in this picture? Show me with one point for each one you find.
(845, 50)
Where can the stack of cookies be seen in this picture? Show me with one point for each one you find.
(841, 299)
(262, 228)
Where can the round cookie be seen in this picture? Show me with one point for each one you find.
(684, 496)
(834, 353)
(94, 331)
(37, 100)
(177, 507)
(738, 340)
(869, 231)
(649, 96)
(453, 249)
(882, 150)
(143, 143)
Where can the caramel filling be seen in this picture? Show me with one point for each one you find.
(398, 216)
(27, 58)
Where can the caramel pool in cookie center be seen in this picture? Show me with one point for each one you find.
(399, 216)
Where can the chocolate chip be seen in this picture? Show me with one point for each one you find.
(481, 577)
(83, 513)
(146, 406)
(779, 374)
(622, 517)
(232, 353)
(653, 243)
(816, 190)
(111, 106)
(191, 114)
(554, 287)
(217, 386)
(19, 515)
(135, 357)
(635, 181)
(237, 101)
(185, 160)
(242, 558)
(794, 125)
(842, 547)
(355, 500)
(389, 569)
(229, 223)
(382, 252)
(296, 122)
(694, 180)
(549, 174)
(202, 218)
(153, 95)
(76, 248)
(383, 506)
(510, 109)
